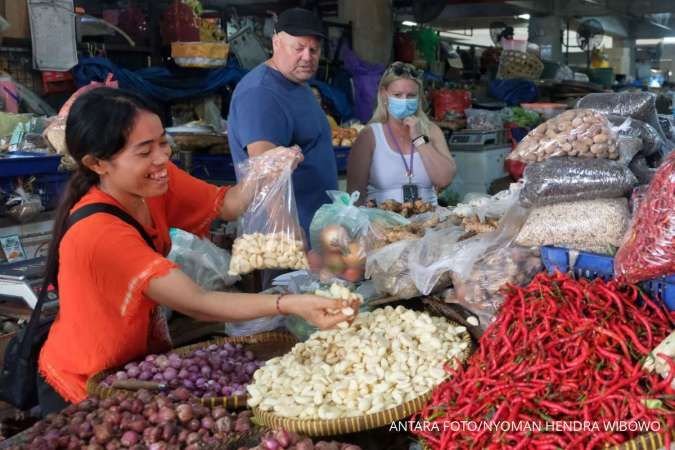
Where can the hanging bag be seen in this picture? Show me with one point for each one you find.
(18, 379)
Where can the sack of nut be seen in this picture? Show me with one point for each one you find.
(269, 234)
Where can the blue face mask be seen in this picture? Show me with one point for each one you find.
(402, 107)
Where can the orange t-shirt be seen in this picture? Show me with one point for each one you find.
(105, 320)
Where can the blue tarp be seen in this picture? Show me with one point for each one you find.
(163, 85)
(514, 92)
(158, 83)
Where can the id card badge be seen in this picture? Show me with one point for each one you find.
(410, 192)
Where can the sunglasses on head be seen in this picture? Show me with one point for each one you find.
(400, 69)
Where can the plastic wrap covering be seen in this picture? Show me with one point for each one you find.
(201, 260)
(431, 258)
(637, 105)
(484, 206)
(480, 292)
(641, 169)
(483, 119)
(589, 225)
(269, 235)
(558, 180)
(652, 141)
(649, 249)
(579, 132)
(342, 233)
(388, 268)
(23, 206)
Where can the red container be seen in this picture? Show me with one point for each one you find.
(54, 82)
(179, 24)
(446, 100)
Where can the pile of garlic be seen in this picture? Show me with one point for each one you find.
(340, 292)
(385, 358)
(266, 251)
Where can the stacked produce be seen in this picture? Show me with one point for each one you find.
(560, 350)
(406, 209)
(345, 137)
(341, 234)
(215, 371)
(481, 213)
(590, 225)
(282, 440)
(139, 421)
(382, 360)
(578, 132)
(259, 251)
(269, 234)
(649, 250)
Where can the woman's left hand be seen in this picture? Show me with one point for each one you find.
(413, 125)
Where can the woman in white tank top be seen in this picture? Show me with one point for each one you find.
(401, 153)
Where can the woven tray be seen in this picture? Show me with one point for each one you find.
(518, 65)
(649, 441)
(320, 427)
(265, 346)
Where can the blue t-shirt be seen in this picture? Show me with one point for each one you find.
(266, 106)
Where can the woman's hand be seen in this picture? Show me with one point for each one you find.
(413, 125)
(317, 310)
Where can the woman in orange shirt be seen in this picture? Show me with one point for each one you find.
(110, 280)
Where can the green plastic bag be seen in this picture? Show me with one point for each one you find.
(341, 233)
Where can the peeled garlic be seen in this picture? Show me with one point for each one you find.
(266, 251)
(383, 359)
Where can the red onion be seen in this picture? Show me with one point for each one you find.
(129, 438)
(207, 422)
(270, 444)
(283, 438)
(184, 412)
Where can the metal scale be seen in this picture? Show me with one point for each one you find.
(480, 156)
(20, 283)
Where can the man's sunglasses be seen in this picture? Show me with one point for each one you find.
(401, 69)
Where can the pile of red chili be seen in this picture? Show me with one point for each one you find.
(561, 353)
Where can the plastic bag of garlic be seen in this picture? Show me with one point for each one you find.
(384, 359)
(269, 234)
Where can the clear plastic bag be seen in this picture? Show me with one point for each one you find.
(480, 292)
(342, 233)
(649, 248)
(589, 225)
(579, 132)
(269, 235)
(483, 119)
(256, 326)
(567, 179)
(388, 269)
(637, 105)
(651, 140)
(201, 260)
(429, 261)
(488, 207)
(23, 206)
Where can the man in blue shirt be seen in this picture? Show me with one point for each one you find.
(274, 106)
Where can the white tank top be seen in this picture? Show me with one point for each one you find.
(388, 173)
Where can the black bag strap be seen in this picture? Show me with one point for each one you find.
(79, 214)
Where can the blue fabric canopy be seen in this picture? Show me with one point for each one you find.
(158, 83)
(163, 85)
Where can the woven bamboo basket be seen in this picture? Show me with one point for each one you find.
(331, 427)
(264, 345)
(519, 65)
(649, 441)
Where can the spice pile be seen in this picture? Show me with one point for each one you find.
(561, 350)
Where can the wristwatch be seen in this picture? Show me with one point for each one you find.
(420, 141)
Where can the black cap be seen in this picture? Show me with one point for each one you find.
(300, 22)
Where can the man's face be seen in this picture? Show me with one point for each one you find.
(296, 57)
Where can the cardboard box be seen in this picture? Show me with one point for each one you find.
(16, 13)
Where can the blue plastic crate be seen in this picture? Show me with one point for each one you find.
(16, 164)
(591, 265)
(341, 157)
(50, 187)
(587, 265)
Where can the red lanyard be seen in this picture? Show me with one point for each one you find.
(408, 170)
